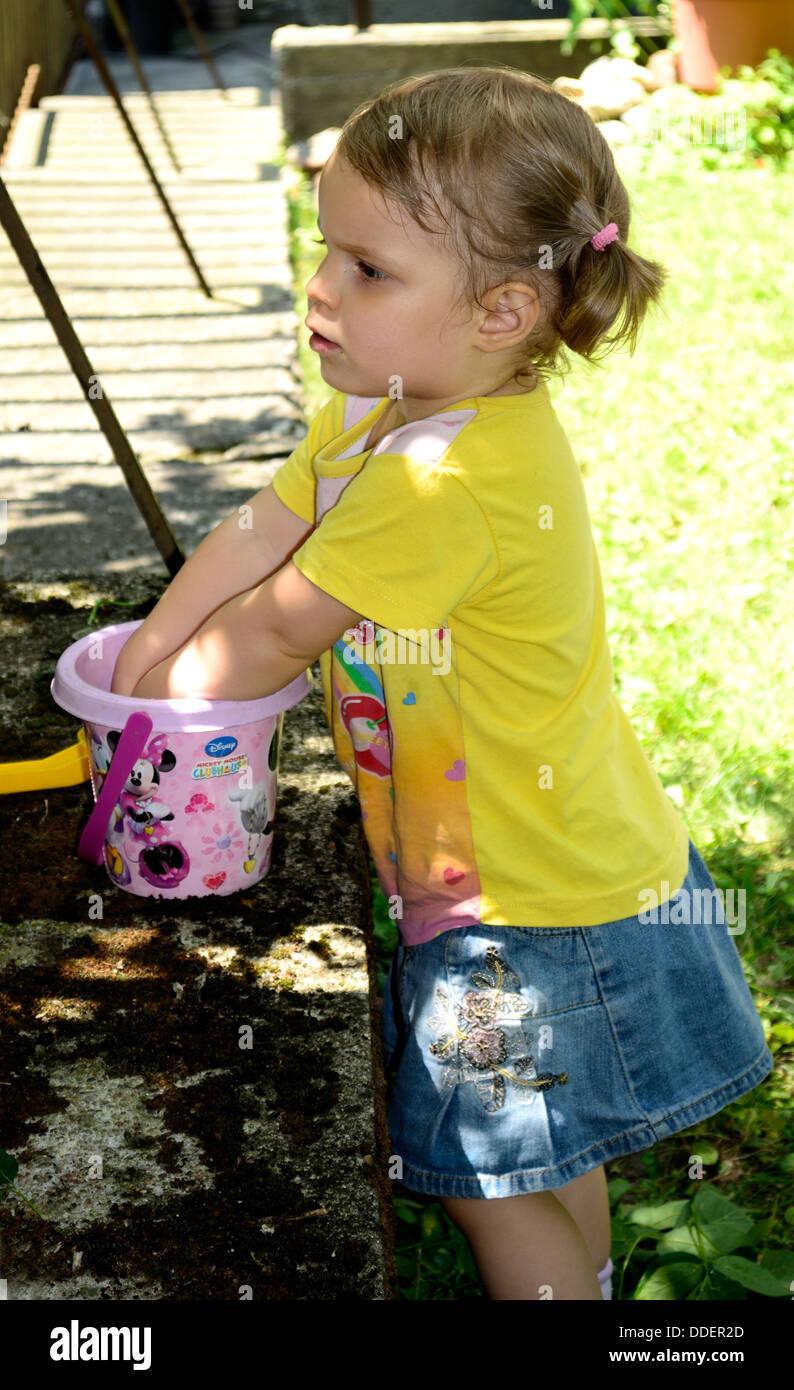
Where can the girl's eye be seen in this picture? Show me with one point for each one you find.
(368, 271)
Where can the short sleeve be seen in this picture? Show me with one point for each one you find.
(405, 544)
(295, 483)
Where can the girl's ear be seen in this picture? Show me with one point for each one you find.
(511, 311)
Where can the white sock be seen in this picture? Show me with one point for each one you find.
(605, 1280)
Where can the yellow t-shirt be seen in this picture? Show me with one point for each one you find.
(499, 779)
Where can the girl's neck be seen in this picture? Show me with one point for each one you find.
(403, 412)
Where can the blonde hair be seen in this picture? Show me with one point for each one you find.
(521, 178)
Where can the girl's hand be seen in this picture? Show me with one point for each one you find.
(140, 653)
(199, 670)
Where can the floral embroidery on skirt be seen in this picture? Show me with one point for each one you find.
(471, 1045)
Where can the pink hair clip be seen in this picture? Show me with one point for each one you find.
(605, 237)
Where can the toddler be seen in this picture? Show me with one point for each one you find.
(566, 988)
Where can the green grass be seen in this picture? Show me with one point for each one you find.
(685, 453)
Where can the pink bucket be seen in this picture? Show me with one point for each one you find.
(197, 808)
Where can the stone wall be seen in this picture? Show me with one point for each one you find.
(323, 73)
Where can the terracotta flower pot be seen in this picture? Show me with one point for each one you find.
(720, 33)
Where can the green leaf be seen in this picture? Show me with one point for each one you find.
(8, 1167)
(669, 1281)
(432, 1224)
(622, 1230)
(650, 1162)
(780, 1264)
(703, 1294)
(616, 1188)
(659, 1218)
(705, 1152)
(683, 1241)
(751, 1276)
(721, 1220)
(443, 1259)
(405, 1210)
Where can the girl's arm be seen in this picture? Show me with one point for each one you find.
(253, 645)
(247, 547)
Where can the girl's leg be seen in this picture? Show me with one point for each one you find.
(526, 1247)
(587, 1199)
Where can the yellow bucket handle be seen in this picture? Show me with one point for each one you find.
(65, 769)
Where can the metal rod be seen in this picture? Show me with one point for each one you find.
(198, 39)
(362, 14)
(25, 98)
(137, 482)
(104, 72)
(132, 54)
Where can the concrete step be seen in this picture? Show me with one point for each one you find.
(138, 410)
(45, 137)
(168, 300)
(205, 119)
(67, 432)
(197, 332)
(163, 385)
(76, 191)
(182, 117)
(215, 138)
(232, 353)
(190, 151)
(64, 243)
(87, 169)
(164, 270)
(202, 100)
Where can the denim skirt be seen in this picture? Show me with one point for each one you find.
(518, 1058)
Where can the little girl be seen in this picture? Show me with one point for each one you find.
(566, 988)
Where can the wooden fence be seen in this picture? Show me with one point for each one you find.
(32, 31)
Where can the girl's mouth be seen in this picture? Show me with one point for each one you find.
(320, 344)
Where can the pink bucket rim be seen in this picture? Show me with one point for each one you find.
(97, 706)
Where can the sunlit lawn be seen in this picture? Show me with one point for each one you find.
(686, 454)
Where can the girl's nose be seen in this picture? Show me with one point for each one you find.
(319, 290)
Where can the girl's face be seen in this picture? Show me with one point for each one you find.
(384, 296)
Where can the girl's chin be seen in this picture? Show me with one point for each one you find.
(346, 378)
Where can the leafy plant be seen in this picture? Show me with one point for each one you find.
(433, 1257)
(701, 1249)
(8, 1171)
(764, 96)
(616, 12)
